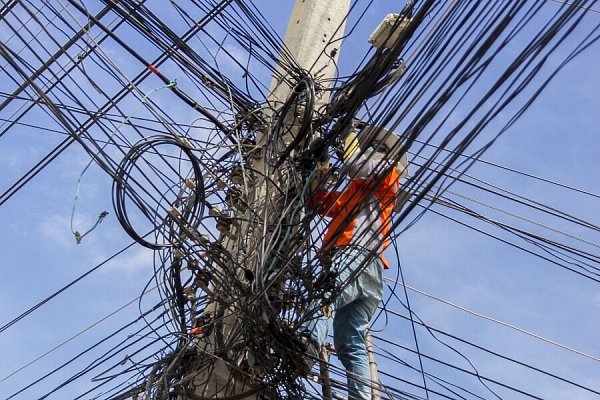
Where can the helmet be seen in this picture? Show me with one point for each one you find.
(384, 141)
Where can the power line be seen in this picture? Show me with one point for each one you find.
(194, 186)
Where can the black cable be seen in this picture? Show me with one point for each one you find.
(63, 289)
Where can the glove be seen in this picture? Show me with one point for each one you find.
(319, 149)
(351, 146)
(323, 168)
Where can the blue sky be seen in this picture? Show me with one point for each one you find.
(556, 139)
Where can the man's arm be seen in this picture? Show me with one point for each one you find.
(324, 203)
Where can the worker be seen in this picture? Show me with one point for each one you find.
(354, 243)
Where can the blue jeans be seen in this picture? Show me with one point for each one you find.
(351, 311)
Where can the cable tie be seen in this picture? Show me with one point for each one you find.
(174, 212)
(190, 183)
(185, 142)
(178, 253)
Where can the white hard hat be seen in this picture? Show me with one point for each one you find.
(372, 134)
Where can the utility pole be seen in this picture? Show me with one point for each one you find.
(372, 365)
(313, 39)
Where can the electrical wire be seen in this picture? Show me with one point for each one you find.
(236, 282)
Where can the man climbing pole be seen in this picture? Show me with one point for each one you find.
(354, 243)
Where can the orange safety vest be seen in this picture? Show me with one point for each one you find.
(343, 207)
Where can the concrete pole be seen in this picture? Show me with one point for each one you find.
(313, 40)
